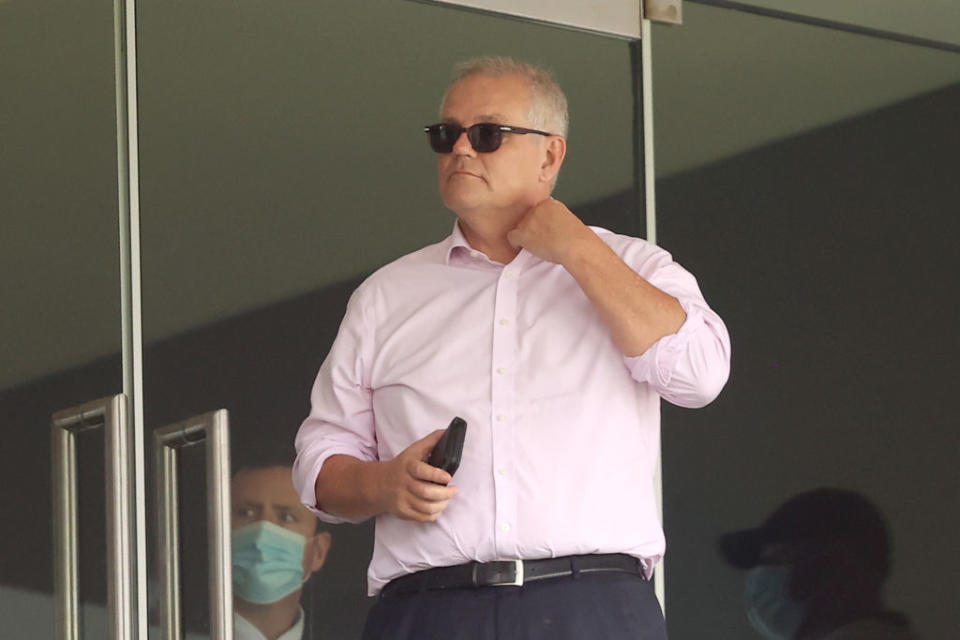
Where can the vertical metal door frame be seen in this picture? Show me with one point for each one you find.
(650, 211)
(128, 182)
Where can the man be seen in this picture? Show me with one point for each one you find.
(276, 548)
(555, 342)
(816, 568)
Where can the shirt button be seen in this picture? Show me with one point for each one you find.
(505, 527)
(501, 370)
(504, 322)
(475, 254)
(501, 418)
(502, 471)
(508, 273)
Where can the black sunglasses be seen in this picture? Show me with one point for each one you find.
(484, 137)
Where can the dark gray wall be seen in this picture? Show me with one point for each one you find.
(833, 259)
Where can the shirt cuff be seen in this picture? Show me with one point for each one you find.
(657, 364)
(307, 475)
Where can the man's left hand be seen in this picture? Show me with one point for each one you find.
(551, 232)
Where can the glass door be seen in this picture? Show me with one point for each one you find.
(815, 188)
(60, 289)
(283, 160)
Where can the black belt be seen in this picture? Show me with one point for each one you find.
(501, 573)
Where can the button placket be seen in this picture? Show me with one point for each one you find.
(503, 386)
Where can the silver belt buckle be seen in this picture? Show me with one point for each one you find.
(517, 575)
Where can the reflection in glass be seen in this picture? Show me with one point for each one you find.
(278, 546)
(809, 177)
(815, 568)
(59, 291)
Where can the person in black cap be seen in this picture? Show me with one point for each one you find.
(815, 570)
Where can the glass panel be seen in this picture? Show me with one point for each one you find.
(813, 189)
(60, 292)
(283, 159)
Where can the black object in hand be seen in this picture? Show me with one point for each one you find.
(446, 453)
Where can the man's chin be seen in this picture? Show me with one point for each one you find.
(462, 203)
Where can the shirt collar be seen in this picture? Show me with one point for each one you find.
(460, 252)
(457, 244)
(244, 630)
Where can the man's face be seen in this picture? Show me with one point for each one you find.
(268, 494)
(508, 178)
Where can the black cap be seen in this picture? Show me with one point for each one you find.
(819, 517)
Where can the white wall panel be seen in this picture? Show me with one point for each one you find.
(614, 17)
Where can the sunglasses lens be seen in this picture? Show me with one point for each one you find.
(485, 137)
(443, 137)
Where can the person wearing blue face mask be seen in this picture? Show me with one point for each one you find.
(772, 609)
(276, 547)
(815, 570)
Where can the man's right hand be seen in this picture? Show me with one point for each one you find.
(411, 489)
(405, 486)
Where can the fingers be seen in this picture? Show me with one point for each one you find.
(422, 471)
(425, 502)
(412, 512)
(427, 511)
(544, 230)
(421, 448)
(416, 454)
(419, 491)
(430, 491)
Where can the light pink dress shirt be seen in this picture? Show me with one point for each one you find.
(563, 430)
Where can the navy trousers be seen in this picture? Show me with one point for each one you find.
(597, 606)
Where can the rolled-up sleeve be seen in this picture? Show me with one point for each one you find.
(341, 417)
(688, 368)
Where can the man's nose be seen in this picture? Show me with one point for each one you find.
(462, 146)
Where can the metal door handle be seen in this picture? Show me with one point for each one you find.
(111, 414)
(212, 428)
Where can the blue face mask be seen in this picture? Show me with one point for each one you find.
(770, 608)
(267, 562)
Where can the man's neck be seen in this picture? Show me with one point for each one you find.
(273, 619)
(487, 232)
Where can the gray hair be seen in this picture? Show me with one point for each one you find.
(548, 104)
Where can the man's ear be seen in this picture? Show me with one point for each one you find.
(319, 547)
(555, 152)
